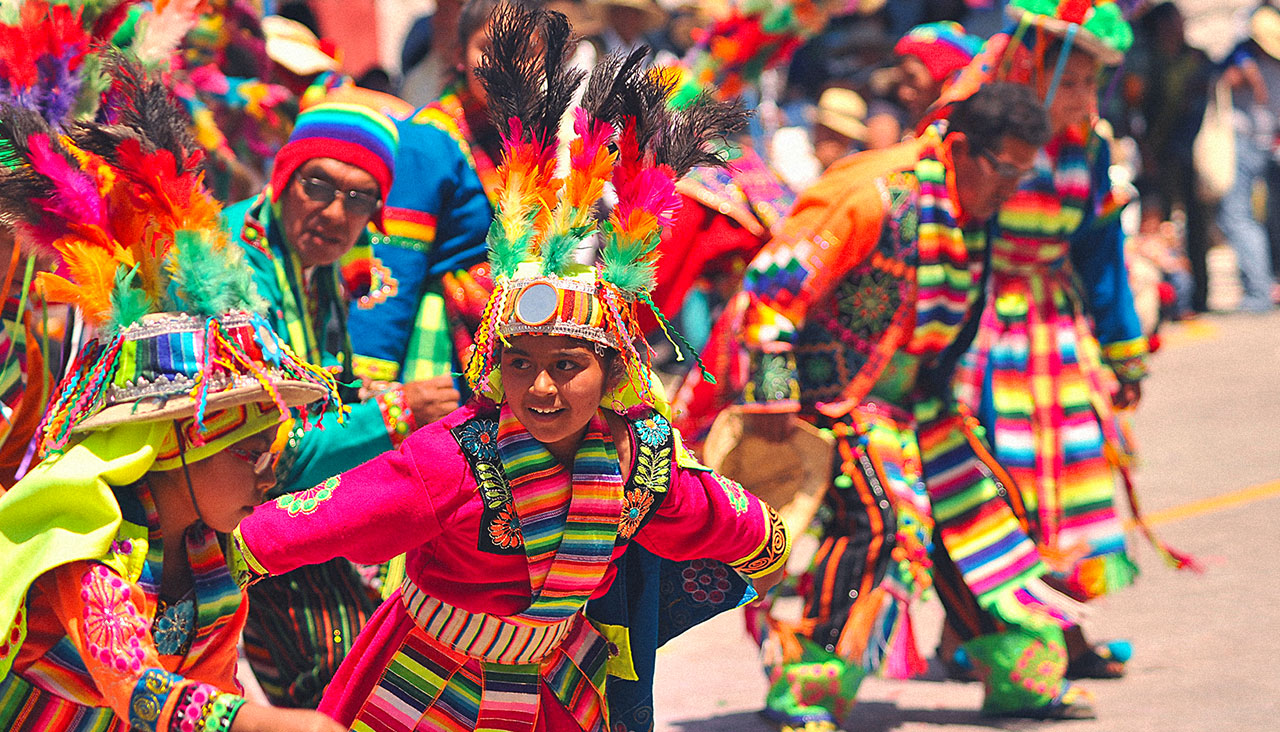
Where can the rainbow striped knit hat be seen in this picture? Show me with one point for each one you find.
(944, 48)
(350, 133)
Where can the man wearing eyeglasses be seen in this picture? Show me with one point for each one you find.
(844, 320)
(328, 184)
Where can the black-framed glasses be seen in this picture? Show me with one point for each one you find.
(355, 203)
(1005, 169)
(263, 462)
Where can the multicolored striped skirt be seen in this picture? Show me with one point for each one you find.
(438, 667)
(1035, 377)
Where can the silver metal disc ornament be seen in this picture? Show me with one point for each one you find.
(537, 303)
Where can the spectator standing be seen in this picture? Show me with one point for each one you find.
(1174, 90)
(1253, 74)
(436, 218)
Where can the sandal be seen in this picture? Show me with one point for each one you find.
(1100, 662)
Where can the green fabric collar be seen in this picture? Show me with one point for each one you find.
(39, 532)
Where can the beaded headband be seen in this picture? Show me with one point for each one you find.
(556, 306)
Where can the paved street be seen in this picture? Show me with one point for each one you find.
(1206, 647)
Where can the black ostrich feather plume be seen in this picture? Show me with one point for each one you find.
(696, 133)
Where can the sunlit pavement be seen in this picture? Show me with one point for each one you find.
(1206, 647)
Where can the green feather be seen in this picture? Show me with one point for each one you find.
(506, 253)
(207, 280)
(558, 250)
(128, 303)
(503, 257)
(94, 82)
(240, 286)
(627, 270)
(9, 157)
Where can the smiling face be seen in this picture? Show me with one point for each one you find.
(554, 385)
(322, 231)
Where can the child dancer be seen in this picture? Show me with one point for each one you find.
(118, 607)
(520, 507)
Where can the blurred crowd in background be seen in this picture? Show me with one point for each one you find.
(1201, 77)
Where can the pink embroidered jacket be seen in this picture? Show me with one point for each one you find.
(424, 500)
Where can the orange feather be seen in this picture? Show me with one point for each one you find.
(93, 269)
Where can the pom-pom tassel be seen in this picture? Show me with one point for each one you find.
(902, 659)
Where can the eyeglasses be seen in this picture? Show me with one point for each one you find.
(354, 203)
(263, 462)
(1005, 169)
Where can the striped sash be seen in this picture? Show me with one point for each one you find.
(482, 636)
(218, 597)
(985, 538)
(27, 708)
(569, 522)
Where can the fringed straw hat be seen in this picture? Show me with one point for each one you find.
(178, 327)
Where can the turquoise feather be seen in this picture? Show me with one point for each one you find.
(128, 303)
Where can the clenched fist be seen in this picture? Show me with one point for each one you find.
(431, 399)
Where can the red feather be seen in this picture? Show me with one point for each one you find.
(42, 30)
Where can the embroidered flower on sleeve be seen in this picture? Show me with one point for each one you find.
(736, 494)
(633, 511)
(505, 529)
(305, 502)
(113, 629)
(480, 438)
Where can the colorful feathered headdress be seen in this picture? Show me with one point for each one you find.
(51, 51)
(626, 134)
(47, 63)
(123, 203)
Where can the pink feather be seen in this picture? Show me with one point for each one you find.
(76, 198)
(652, 190)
